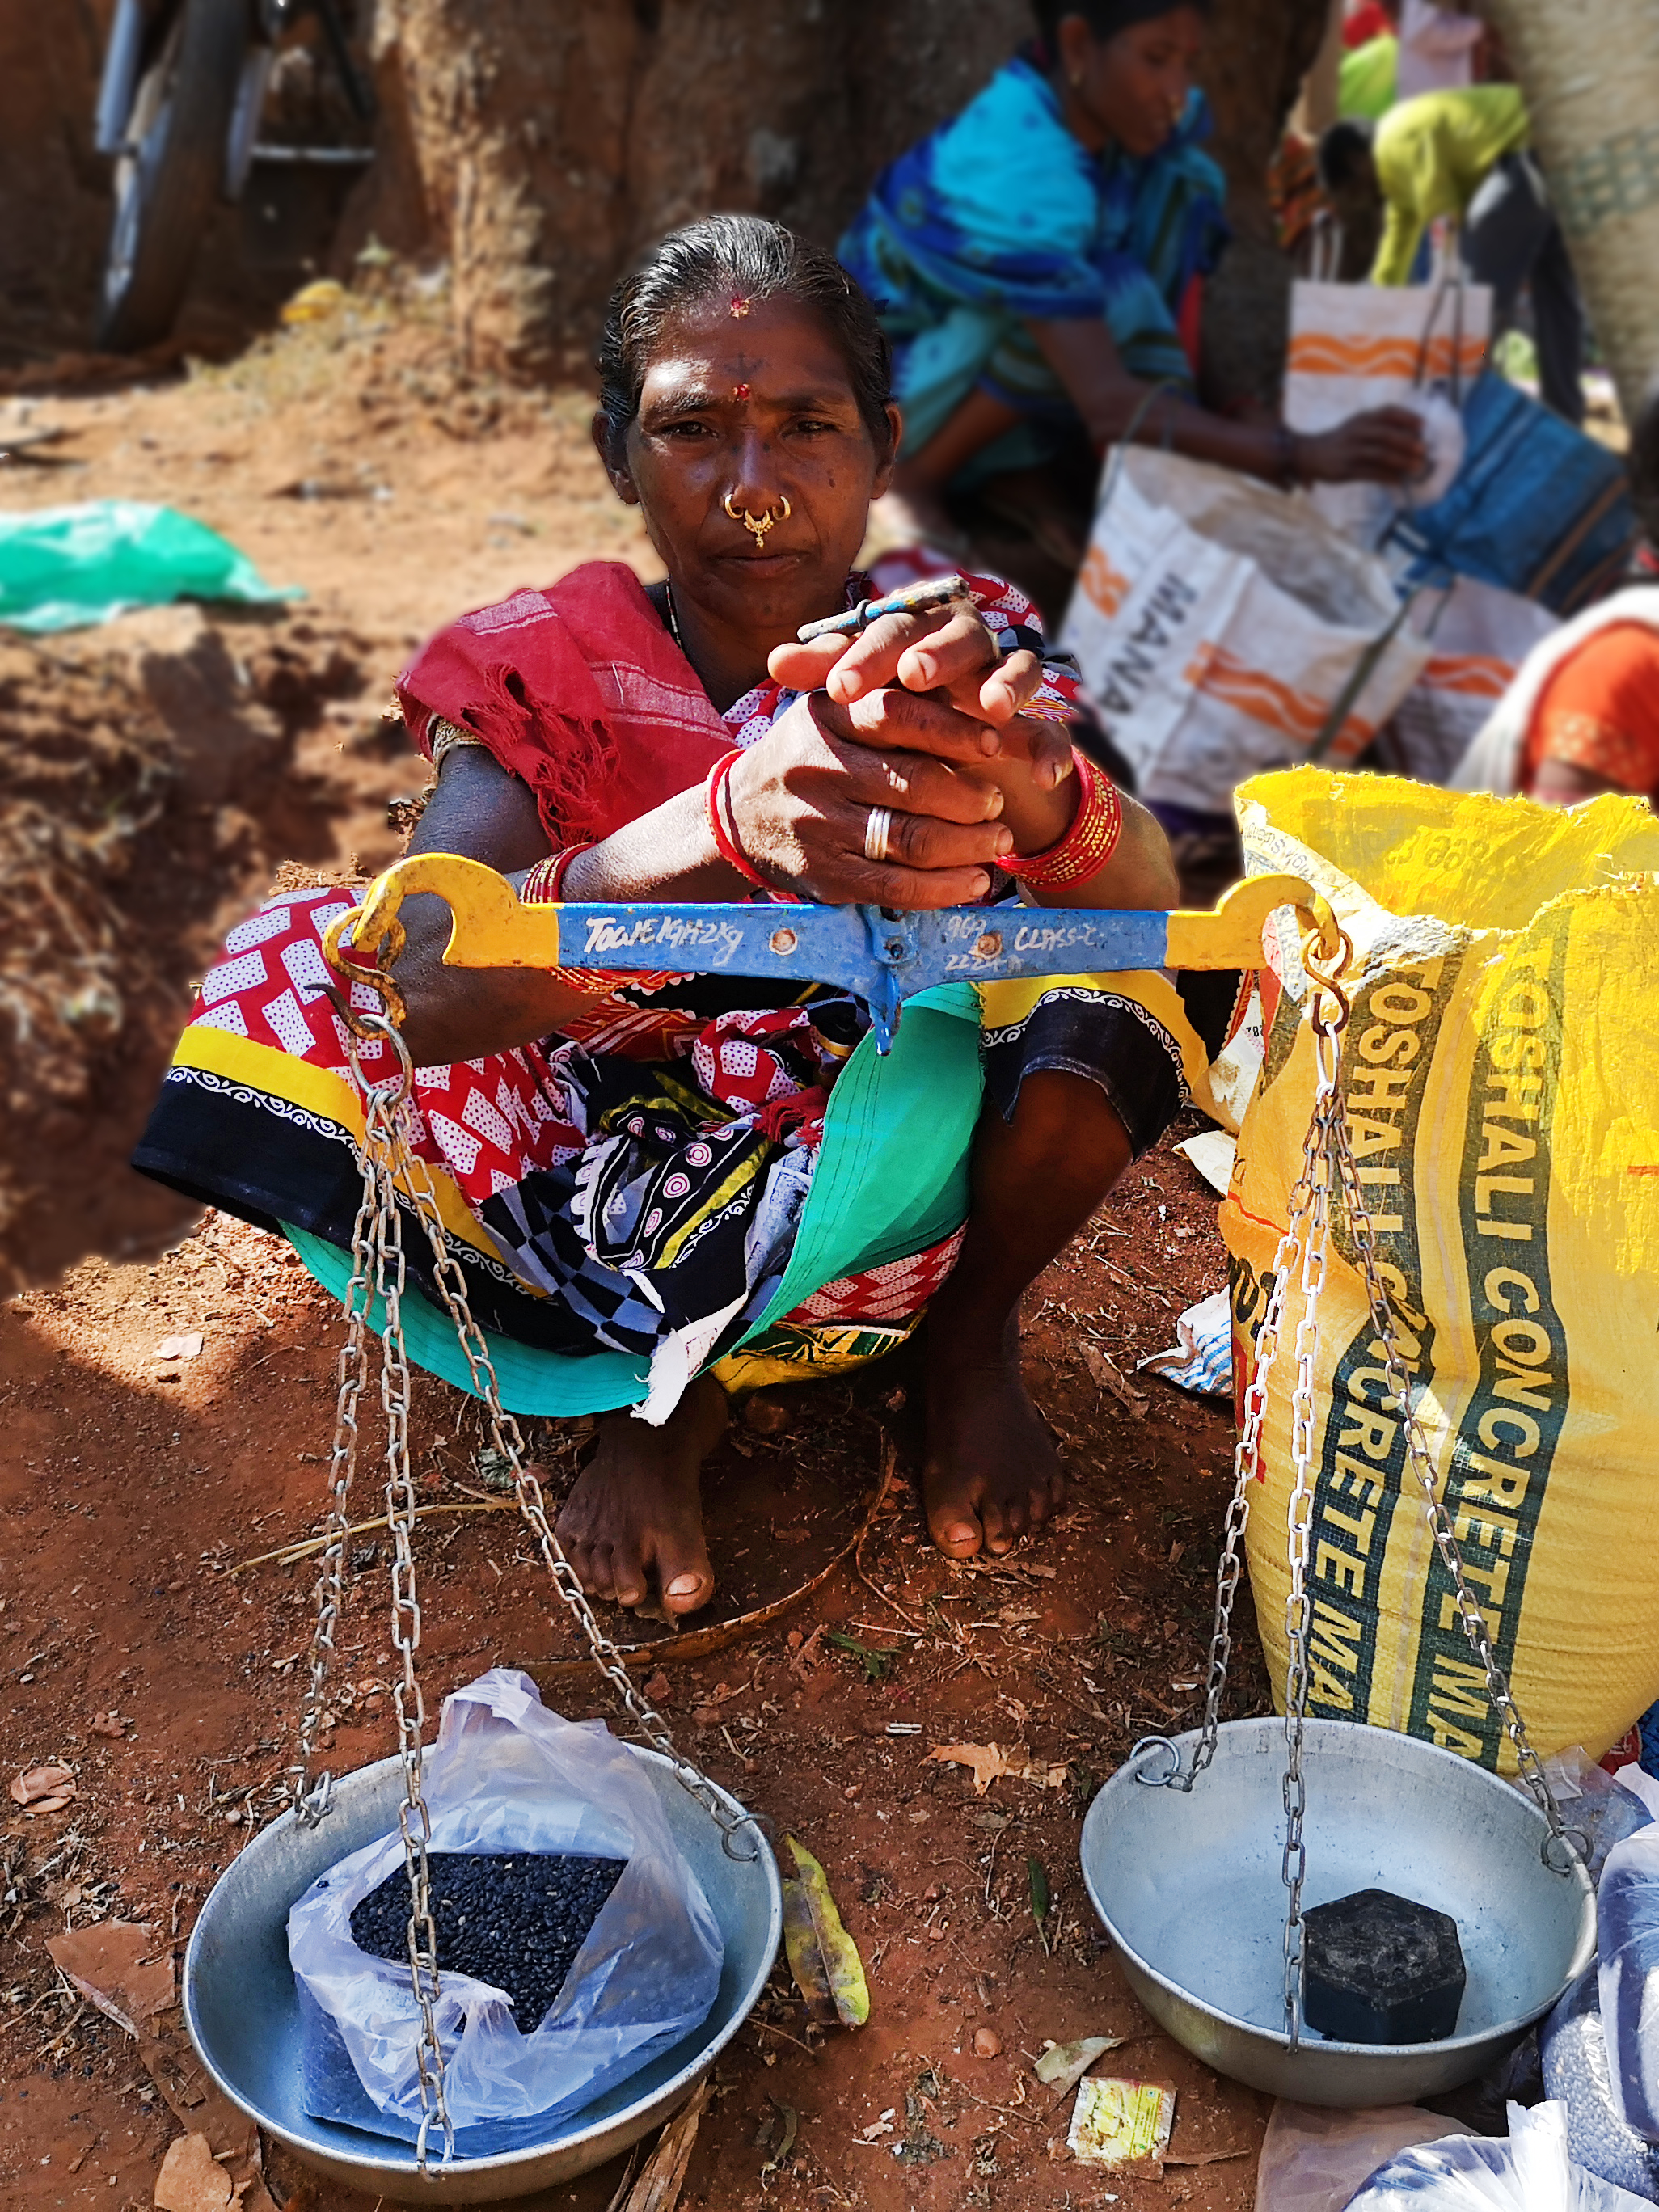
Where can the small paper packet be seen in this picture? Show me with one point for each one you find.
(1115, 2121)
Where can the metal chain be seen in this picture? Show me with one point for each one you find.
(311, 1798)
(1247, 1461)
(1328, 1165)
(382, 1255)
(507, 1438)
(1246, 1464)
(1318, 1154)
(1473, 1619)
(382, 1141)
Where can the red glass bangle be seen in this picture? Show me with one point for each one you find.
(1087, 846)
(545, 884)
(716, 804)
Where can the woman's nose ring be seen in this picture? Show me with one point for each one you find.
(758, 525)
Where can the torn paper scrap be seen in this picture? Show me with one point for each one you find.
(1211, 1152)
(1115, 2121)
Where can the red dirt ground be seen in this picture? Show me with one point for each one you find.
(134, 1490)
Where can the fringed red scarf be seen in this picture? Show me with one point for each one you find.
(581, 692)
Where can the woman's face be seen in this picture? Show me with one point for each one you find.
(1129, 90)
(751, 402)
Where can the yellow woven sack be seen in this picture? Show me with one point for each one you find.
(1500, 1077)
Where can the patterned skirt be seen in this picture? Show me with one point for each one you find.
(698, 1172)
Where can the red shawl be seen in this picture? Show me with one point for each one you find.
(581, 692)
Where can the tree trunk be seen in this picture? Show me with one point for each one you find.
(542, 148)
(1590, 71)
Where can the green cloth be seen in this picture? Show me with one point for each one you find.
(1433, 154)
(63, 566)
(891, 1179)
(1365, 85)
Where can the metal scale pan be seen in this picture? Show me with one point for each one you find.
(1195, 1853)
(1190, 1890)
(243, 2014)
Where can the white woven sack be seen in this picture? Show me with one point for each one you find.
(1218, 622)
(1478, 635)
(1359, 346)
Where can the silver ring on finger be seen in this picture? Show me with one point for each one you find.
(877, 827)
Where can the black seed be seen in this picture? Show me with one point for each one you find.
(534, 1911)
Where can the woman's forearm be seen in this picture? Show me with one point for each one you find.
(1082, 354)
(482, 812)
(1140, 874)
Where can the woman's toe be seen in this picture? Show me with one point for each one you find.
(687, 1580)
(628, 1577)
(592, 1566)
(958, 1539)
(955, 1527)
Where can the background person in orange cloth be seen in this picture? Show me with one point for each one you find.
(1582, 717)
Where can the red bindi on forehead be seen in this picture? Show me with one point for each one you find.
(740, 392)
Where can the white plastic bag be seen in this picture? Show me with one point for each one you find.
(1593, 1801)
(507, 1775)
(1313, 2158)
(1529, 2172)
(1357, 346)
(1627, 1923)
(1578, 2076)
(1218, 624)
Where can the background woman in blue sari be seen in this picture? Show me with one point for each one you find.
(1038, 265)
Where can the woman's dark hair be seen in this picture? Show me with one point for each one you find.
(1106, 18)
(1344, 152)
(740, 258)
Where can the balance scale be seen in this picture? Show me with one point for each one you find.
(1184, 1850)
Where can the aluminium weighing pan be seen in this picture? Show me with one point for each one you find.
(1189, 1889)
(243, 2015)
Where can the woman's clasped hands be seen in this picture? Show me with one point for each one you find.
(907, 771)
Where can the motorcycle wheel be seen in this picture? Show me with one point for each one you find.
(167, 178)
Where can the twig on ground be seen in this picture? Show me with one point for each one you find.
(889, 1464)
(307, 1547)
(762, 2028)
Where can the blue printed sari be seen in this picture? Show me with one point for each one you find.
(1001, 217)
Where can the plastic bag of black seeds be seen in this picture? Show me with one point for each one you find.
(557, 1890)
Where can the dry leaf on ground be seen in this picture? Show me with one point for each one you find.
(1104, 1372)
(823, 1957)
(990, 1762)
(191, 2179)
(203, 2110)
(1063, 2065)
(45, 1789)
(663, 2176)
(124, 1969)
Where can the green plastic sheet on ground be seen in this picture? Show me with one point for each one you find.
(62, 568)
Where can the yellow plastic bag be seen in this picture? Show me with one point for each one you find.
(1500, 1077)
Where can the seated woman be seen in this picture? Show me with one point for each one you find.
(1582, 716)
(1038, 265)
(650, 1177)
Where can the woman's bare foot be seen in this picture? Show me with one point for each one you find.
(635, 1507)
(992, 1470)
